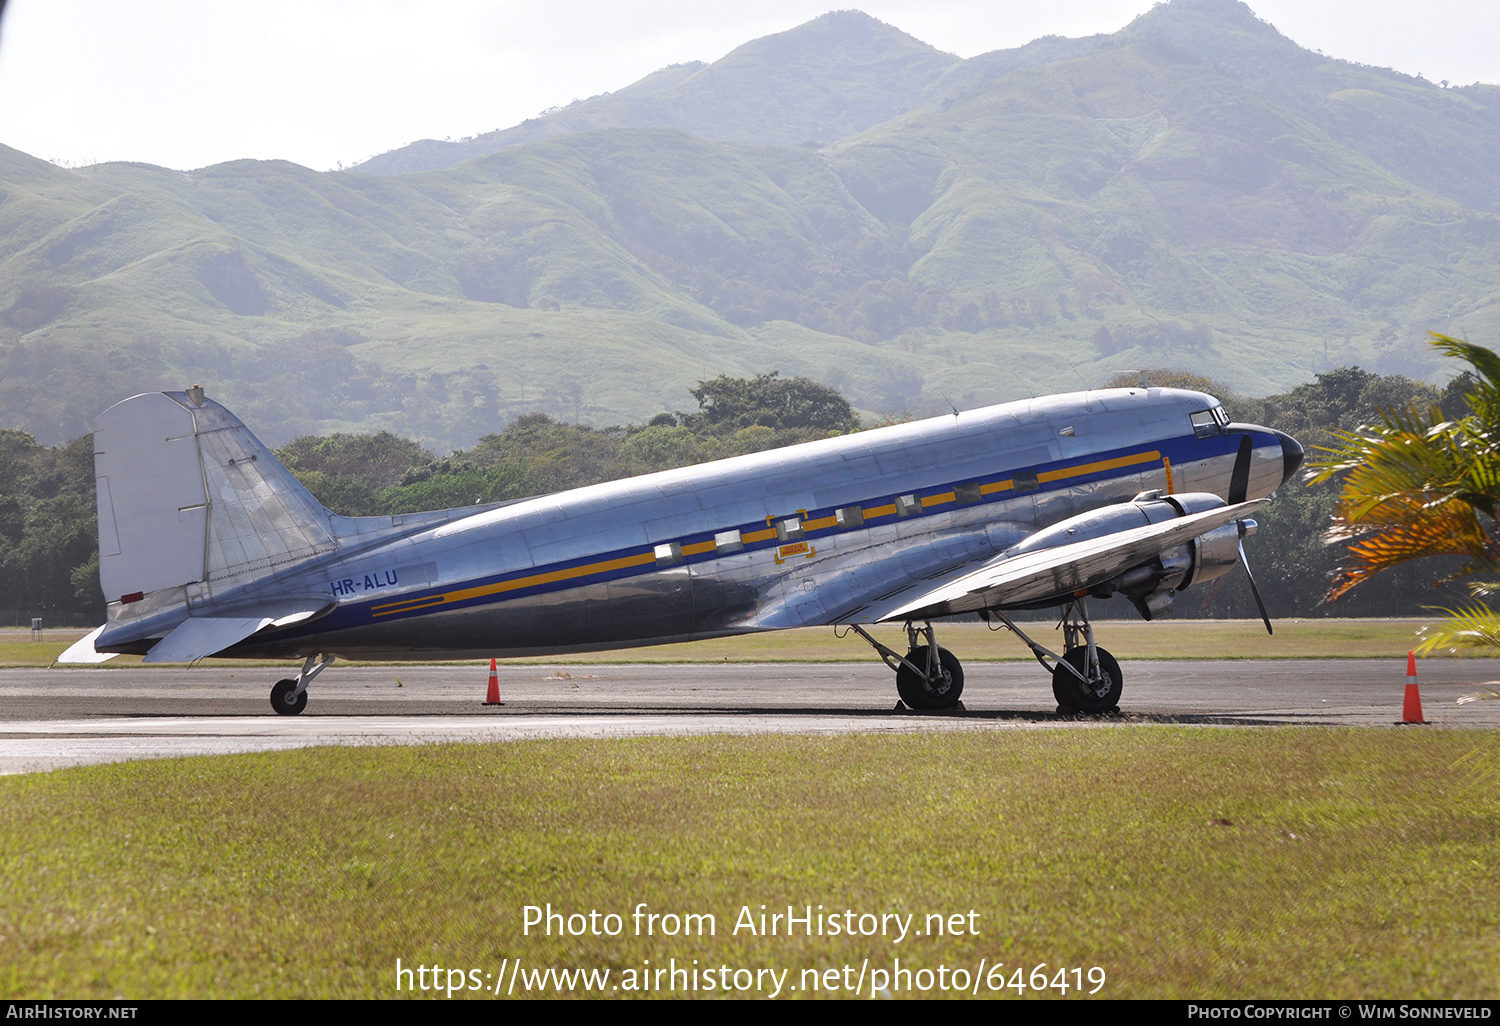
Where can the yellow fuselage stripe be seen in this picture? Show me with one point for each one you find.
(520, 582)
(1094, 468)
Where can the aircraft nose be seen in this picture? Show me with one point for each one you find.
(1291, 455)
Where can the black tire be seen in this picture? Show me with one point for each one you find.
(1071, 692)
(282, 701)
(941, 693)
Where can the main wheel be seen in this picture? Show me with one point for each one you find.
(939, 692)
(1099, 695)
(282, 700)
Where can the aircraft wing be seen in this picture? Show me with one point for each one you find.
(1063, 569)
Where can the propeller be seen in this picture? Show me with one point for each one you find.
(1246, 528)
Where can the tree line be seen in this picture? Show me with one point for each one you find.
(48, 534)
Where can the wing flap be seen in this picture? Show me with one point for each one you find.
(1064, 569)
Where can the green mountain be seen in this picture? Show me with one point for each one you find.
(835, 76)
(839, 201)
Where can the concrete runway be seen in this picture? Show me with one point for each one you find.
(56, 718)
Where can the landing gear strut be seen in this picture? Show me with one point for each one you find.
(289, 697)
(1085, 678)
(927, 677)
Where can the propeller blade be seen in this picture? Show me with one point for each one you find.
(1253, 589)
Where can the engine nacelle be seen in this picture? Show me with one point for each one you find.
(1146, 508)
(1152, 586)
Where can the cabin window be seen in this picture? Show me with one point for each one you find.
(789, 530)
(728, 541)
(906, 505)
(669, 554)
(1026, 481)
(966, 494)
(849, 516)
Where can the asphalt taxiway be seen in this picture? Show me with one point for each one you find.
(56, 718)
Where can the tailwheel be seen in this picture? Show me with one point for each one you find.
(289, 697)
(1098, 692)
(939, 688)
(286, 699)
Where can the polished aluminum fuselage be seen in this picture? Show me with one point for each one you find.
(827, 532)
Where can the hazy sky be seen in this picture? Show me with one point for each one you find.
(186, 83)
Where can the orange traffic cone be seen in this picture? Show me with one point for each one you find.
(1411, 711)
(493, 697)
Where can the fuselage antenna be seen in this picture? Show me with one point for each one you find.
(1029, 390)
(1081, 380)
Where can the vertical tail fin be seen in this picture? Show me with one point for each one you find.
(191, 503)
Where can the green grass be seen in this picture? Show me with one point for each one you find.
(1127, 639)
(1184, 862)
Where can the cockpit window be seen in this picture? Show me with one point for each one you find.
(1207, 423)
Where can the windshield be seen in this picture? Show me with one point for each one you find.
(1207, 423)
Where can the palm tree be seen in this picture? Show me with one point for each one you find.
(1420, 485)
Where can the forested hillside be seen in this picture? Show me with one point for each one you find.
(840, 201)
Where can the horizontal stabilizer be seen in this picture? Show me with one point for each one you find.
(82, 651)
(1009, 581)
(201, 636)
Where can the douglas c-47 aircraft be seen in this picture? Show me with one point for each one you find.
(210, 547)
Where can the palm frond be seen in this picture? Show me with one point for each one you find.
(1483, 360)
(1393, 533)
(1472, 627)
(1419, 484)
(1483, 398)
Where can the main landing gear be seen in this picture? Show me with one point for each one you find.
(289, 697)
(927, 678)
(1085, 678)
